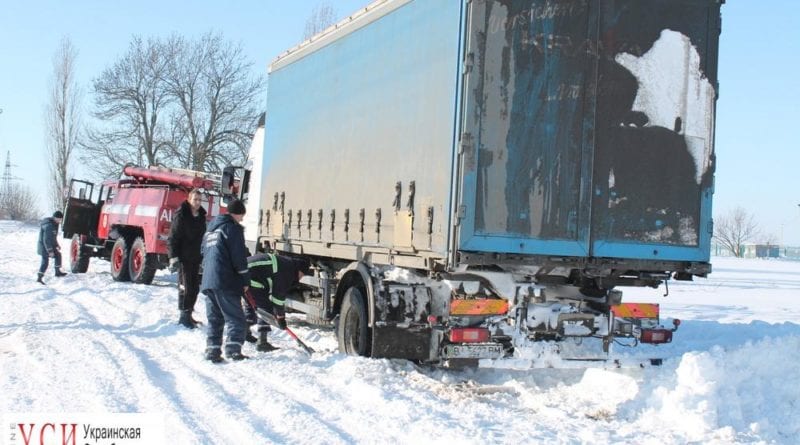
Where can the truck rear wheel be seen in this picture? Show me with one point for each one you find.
(78, 257)
(119, 260)
(141, 264)
(352, 331)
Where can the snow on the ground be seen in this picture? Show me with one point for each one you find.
(87, 344)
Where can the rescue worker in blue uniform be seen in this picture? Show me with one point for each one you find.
(225, 277)
(271, 278)
(47, 246)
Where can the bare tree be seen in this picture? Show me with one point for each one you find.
(129, 98)
(63, 120)
(322, 16)
(216, 102)
(18, 203)
(734, 229)
(174, 102)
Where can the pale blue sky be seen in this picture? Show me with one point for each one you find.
(758, 154)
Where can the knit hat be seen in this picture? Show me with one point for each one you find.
(236, 207)
(58, 214)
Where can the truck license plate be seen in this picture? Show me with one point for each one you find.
(483, 350)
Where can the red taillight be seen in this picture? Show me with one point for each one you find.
(469, 335)
(656, 336)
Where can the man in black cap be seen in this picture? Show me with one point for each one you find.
(225, 277)
(47, 246)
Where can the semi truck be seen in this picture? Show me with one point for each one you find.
(127, 221)
(470, 178)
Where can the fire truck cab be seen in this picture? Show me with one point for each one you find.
(128, 220)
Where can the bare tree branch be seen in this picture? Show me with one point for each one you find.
(322, 16)
(734, 229)
(63, 120)
(128, 98)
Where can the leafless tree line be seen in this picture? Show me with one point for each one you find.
(18, 203)
(171, 101)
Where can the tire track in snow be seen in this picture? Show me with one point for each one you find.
(163, 380)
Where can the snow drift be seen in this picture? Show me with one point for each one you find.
(87, 344)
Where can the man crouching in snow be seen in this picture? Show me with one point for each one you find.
(47, 245)
(271, 277)
(225, 277)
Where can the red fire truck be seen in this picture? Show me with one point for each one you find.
(128, 220)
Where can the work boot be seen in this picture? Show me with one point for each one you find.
(186, 320)
(237, 356)
(39, 278)
(263, 345)
(214, 356)
(60, 274)
(250, 338)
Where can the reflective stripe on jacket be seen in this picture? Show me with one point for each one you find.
(276, 274)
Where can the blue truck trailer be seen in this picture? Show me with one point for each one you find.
(468, 177)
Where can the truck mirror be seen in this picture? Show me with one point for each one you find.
(228, 181)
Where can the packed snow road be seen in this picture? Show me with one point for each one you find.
(87, 344)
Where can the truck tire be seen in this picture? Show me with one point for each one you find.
(141, 265)
(352, 330)
(78, 256)
(119, 260)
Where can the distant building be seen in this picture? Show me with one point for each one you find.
(759, 251)
(762, 251)
(790, 252)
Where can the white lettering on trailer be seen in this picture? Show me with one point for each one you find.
(144, 210)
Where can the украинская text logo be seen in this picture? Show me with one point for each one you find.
(74, 429)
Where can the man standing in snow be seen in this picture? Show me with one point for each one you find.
(225, 277)
(185, 239)
(271, 277)
(47, 246)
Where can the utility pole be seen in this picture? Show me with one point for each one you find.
(5, 185)
(7, 178)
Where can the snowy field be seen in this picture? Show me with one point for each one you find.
(87, 344)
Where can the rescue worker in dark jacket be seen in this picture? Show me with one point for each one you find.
(47, 246)
(271, 278)
(185, 239)
(225, 278)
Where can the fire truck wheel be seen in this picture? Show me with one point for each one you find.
(78, 256)
(141, 264)
(119, 260)
(352, 331)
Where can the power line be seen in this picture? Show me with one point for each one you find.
(7, 176)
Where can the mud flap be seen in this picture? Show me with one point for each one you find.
(411, 343)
